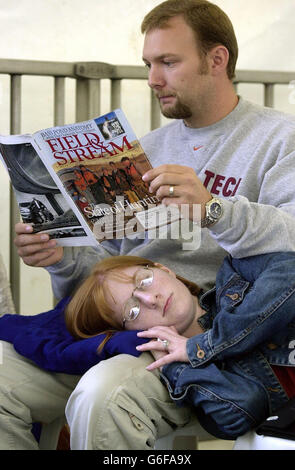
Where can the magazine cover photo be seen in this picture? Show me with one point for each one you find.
(40, 201)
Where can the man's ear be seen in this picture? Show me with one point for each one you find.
(164, 268)
(218, 57)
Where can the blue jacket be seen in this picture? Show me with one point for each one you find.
(248, 326)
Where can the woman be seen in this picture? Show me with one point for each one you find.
(221, 351)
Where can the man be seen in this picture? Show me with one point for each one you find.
(228, 148)
(134, 177)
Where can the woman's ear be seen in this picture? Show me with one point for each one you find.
(164, 268)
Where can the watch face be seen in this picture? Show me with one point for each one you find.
(215, 210)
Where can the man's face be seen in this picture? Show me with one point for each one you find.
(177, 73)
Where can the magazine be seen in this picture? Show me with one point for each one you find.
(82, 183)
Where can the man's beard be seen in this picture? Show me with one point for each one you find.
(178, 111)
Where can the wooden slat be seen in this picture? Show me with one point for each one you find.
(59, 101)
(15, 128)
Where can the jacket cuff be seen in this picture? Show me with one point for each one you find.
(170, 375)
(173, 370)
(199, 349)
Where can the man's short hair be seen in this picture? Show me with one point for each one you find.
(210, 24)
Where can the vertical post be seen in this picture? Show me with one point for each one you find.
(94, 89)
(269, 95)
(116, 93)
(87, 99)
(155, 112)
(59, 117)
(59, 101)
(15, 128)
(81, 99)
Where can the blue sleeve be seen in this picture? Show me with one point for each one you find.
(57, 354)
(45, 340)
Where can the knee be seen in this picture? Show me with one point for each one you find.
(100, 382)
(95, 411)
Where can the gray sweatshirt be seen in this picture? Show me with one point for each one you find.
(248, 160)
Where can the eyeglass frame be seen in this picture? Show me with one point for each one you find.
(147, 267)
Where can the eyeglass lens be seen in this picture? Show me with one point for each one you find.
(143, 279)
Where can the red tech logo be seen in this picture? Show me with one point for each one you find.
(220, 184)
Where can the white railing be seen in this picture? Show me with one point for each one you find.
(88, 76)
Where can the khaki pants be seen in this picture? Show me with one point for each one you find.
(115, 405)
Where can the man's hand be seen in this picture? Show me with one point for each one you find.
(188, 188)
(36, 249)
(174, 352)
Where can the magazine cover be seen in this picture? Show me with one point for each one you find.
(98, 165)
(40, 201)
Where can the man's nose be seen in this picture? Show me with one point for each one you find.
(155, 77)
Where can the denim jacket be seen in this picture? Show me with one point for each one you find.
(248, 326)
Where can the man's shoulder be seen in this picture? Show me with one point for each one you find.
(270, 116)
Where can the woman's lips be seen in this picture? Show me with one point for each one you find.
(167, 304)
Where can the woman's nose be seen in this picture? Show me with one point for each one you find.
(148, 298)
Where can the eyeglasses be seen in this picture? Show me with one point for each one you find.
(143, 280)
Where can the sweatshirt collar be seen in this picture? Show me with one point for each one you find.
(218, 127)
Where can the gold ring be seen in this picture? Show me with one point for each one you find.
(171, 191)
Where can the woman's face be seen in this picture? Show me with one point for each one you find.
(164, 301)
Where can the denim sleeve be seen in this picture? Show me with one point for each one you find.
(248, 314)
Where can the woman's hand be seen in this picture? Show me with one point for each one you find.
(173, 352)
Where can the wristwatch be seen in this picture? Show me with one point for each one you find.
(214, 211)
